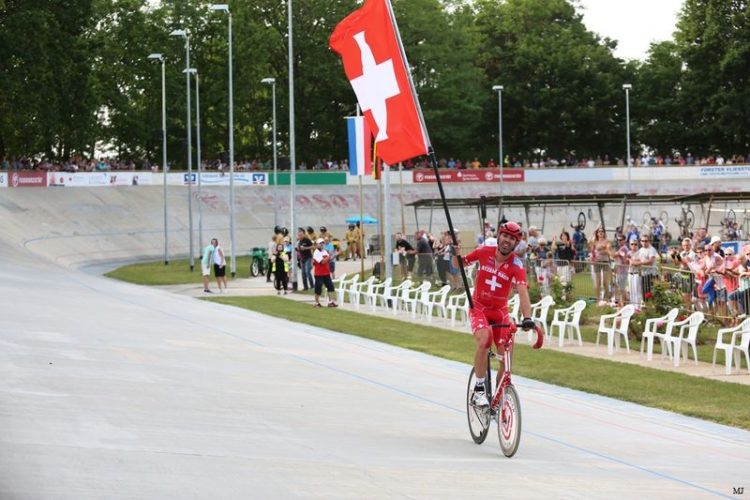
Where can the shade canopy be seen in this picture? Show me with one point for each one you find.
(365, 220)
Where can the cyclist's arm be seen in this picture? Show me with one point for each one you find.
(523, 295)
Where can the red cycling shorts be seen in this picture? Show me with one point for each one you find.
(482, 317)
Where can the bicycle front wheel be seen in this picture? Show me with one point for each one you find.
(479, 418)
(509, 422)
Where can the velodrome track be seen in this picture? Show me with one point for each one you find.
(110, 390)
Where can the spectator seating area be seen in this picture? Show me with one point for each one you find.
(677, 338)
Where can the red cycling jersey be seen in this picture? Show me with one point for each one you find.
(493, 283)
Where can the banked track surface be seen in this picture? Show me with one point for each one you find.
(110, 390)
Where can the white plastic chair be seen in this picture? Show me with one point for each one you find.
(345, 287)
(371, 294)
(435, 300)
(539, 312)
(688, 335)
(390, 293)
(410, 297)
(728, 347)
(615, 325)
(568, 320)
(651, 331)
(339, 281)
(359, 289)
(514, 305)
(742, 348)
(459, 303)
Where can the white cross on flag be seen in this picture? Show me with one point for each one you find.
(370, 49)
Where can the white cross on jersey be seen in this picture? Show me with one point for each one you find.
(493, 283)
(377, 84)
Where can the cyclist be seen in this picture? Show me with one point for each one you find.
(499, 270)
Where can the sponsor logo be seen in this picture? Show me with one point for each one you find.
(28, 179)
(491, 175)
(259, 179)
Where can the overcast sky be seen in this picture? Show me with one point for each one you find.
(635, 24)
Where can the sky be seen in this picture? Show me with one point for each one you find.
(635, 24)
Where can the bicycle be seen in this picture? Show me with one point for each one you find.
(686, 221)
(505, 406)
(581, 222)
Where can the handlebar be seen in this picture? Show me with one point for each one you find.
(538, 329)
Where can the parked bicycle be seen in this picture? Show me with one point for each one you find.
(505, 406)
(686, 221)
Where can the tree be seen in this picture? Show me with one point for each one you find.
(713, 40)
(562, 83)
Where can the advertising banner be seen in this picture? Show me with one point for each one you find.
(27, 179)
(481, 175)
(222, 179)
(102, 179)
(3, 179)
(725, 171)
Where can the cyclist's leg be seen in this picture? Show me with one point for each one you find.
(480, 327)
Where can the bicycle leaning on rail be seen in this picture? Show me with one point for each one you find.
(505, 406)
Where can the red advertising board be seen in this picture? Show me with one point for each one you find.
(27, 179)
(481, 175)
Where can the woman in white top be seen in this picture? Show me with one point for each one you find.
(220, 266)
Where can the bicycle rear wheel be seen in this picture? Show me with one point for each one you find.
(479, 418)
(509, 422)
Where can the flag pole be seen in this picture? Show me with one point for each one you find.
(431, 153)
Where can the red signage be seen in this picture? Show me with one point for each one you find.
(481, 175)
(27, 179)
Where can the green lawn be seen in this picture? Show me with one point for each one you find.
(176, 273)
(721, 402)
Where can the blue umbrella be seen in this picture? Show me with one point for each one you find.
(365, 220)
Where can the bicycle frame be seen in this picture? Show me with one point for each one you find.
(505, 358)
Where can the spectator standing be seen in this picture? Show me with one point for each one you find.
(206, 260)
(280, 268)
(332, 252)
(645, 259)
(406, 257)
(424, 255)
(564, 254)
(601, 253)
(620, 257)
(305, 249)
(321, 262)
(351, 242)
(220, 266)
(271, 247)
(634, 275)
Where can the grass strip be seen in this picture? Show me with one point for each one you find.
(176, 273)
(721, 402)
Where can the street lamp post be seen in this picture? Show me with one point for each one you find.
(272, 82)
(184, 34)
(160, 58)
(627, 87)
(194, 72)
(225, 8)
(499, 90)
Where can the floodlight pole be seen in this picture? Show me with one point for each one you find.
(627, 87)
(160, 58)
(184, 34)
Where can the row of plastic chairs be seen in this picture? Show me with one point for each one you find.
(662, 329)
(676, 338)
(413, 300)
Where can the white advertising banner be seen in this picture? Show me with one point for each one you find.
(725, 171)
(104, 179)
(222, 179)
(3, 179)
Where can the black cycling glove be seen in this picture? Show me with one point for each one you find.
(528, 324)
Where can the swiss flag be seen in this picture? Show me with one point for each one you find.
(370, 49)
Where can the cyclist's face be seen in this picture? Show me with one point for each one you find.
(506, 243)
